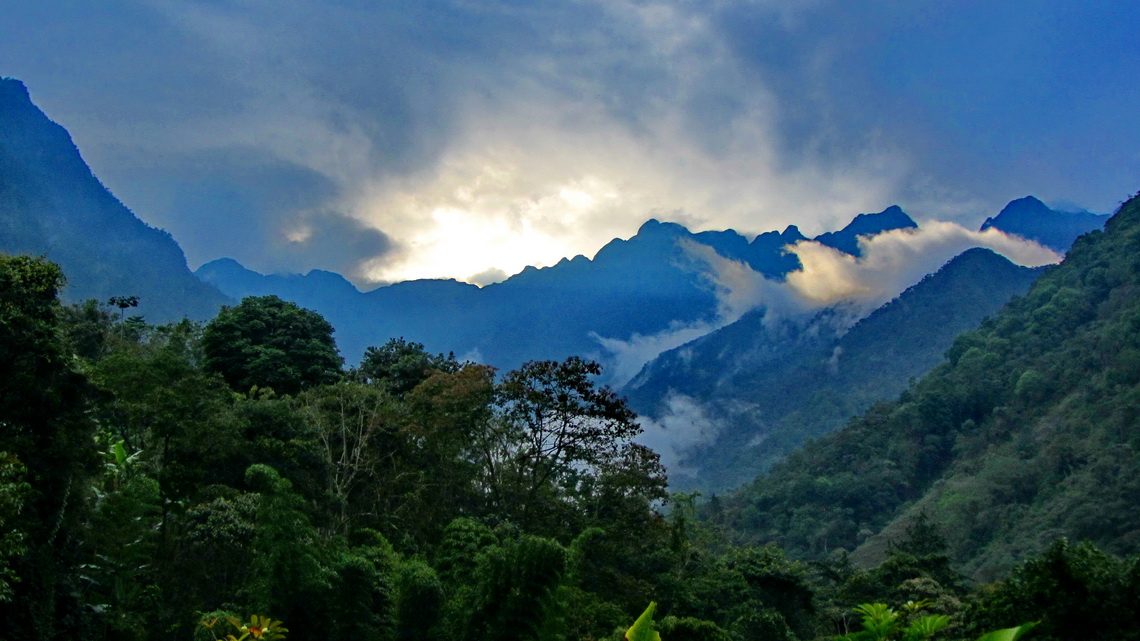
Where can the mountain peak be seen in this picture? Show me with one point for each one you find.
(892, 217)
(654, 227)
(1032, 219)
(1027, 206)
(847, 239)
(56, 206)
(14, 90)
(222, 264)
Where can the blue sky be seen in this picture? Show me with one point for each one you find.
(391, 140)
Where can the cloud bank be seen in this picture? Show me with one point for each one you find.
(895, 260)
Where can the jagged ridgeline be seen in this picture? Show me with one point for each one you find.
(1026, 433)
(51, 204)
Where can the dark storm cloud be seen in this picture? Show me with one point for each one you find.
(334, 242)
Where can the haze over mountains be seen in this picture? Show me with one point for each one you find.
(724, 407)
(636, 298)
(662, 280)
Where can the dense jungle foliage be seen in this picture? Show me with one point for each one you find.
(153, 478)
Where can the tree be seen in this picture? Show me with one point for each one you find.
(419, 602)
(555, 432)
(268, 342)
(13, 491)
(123, 303)
(514, 594)
(287, 570)
(441, 421)
(1076, 591)
(349, 422)
(399, 366)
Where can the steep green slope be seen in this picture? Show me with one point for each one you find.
(1028, 432)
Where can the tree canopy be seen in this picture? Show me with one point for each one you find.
(399, 365)
(268, 342)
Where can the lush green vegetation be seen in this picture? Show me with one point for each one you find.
(155, 478)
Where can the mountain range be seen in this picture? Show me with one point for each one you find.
(758, 390)
(637, 287)
(632, 294)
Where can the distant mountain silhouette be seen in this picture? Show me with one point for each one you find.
(52, 205)
(641, 286)
(1032, 219)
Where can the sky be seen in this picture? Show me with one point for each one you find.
(467, 139)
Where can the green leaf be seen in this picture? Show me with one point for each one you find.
(1009, 634)
(926, 627)
(120, 454)
(643, 628)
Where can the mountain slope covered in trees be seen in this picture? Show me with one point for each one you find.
(771, 388)
(51, 204)
(1026, 433)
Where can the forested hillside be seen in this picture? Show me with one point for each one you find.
(1028, 432)
(769, 389)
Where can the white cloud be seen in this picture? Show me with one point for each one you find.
(682, 425)
(895, 260)
(625, 358)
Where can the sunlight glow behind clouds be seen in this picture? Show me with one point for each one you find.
(534, 179)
